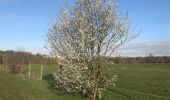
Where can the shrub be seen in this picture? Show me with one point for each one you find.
(50, 79)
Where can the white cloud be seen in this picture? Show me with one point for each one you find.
(157, 48)
(40, 50)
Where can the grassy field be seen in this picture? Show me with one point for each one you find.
(135, 82)
(19, 88)
(144, 81)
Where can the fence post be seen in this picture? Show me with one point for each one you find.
(41, 72)
(29, 73)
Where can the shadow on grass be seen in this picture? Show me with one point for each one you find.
(50, 78)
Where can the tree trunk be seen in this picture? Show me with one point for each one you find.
(96, 74)
(93, 96)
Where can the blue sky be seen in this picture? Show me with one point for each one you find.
(151, 16)
(23, 23)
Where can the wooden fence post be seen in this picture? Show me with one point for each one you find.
(29, 73)
(41, 72)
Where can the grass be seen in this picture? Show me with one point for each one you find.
(18, 88)
(36, 69)
(151, 80)
(135, 82)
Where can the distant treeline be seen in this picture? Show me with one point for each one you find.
(19, 57)
(147, 59)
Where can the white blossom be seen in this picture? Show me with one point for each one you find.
(85, 39)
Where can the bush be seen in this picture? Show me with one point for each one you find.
(15, 69)
(50, 79)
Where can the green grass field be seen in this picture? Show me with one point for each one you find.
(20, 88)
(135, 82)
(144, 81)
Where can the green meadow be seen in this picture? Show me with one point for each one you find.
(135, 82)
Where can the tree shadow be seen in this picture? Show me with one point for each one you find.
(50, 78)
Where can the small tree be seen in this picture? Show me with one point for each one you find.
(84, 39)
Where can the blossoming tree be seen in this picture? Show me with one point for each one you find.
(84, 38)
